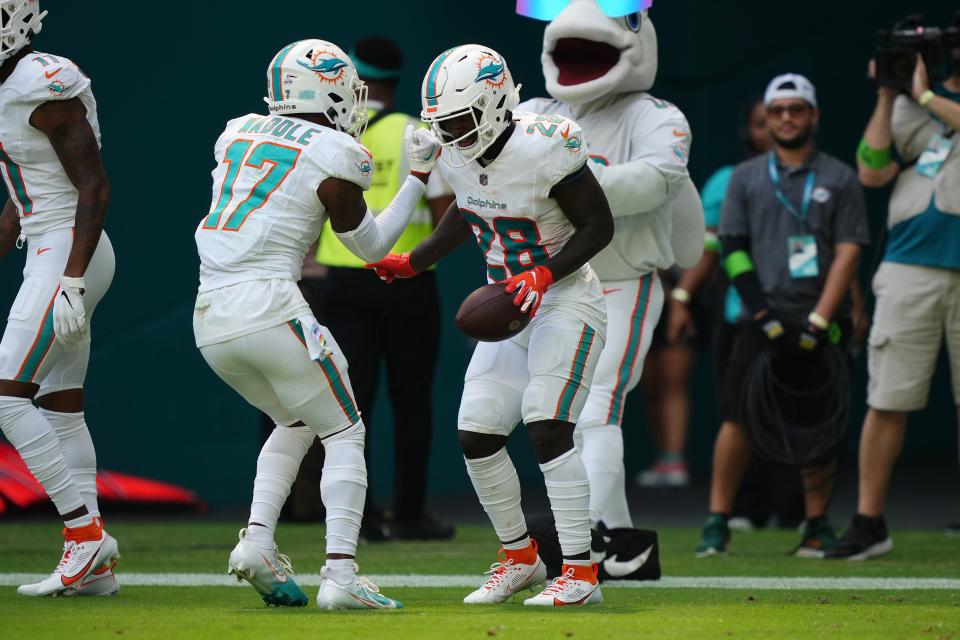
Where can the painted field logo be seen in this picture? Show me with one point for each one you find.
(326, 64)
(491, 71)
(365, 168)
(57, 88)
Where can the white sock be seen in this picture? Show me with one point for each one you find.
(343, 489)
(78, 452)
(602, 452)
(277, 468)
(495, 480)
(569, 491)
(341, 570)
(35, 440)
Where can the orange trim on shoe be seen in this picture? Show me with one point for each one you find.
(527, 555)
(584, 572)
(87, 533)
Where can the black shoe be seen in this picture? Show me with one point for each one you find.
(423, 527)
(865, 538)
(374, 527)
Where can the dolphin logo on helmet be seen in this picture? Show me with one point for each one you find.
(469, 80)
(20, 20)
(316, 76)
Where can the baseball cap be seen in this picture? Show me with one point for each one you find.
(790, 85)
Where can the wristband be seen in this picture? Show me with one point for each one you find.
(818, 320)
(925, 98)
(871, 158)
(680, 295)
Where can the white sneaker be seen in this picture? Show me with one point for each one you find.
(664, 475)
(80, 559)
(358, 594)
(269, 572)
(567, 590)
(506, 578)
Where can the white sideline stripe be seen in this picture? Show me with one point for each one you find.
(465, 581)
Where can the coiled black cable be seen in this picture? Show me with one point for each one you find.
(795, 408)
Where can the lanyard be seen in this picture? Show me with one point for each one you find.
(807, 192)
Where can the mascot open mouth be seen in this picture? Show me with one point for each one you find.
(579, 60)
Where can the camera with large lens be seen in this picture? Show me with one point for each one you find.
(897, 51)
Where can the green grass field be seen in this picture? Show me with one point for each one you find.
(431, 612)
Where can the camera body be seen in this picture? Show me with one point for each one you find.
(897, 51)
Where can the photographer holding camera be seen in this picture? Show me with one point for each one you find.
(917, 286)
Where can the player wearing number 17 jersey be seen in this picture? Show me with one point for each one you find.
(278, 179)
(523, 189)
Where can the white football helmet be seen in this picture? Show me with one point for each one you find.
(469, 79)
(19, 21)
(316, 76)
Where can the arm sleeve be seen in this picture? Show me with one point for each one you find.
(374, 237)
(658, 165)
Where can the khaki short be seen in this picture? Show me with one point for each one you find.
(916, 306)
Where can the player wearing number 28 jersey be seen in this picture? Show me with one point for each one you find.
(538, 215)
(278, 178)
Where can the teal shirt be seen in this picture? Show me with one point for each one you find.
(714, 191)
(931, 239)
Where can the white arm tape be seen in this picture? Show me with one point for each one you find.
(374, 237)
(632, 188)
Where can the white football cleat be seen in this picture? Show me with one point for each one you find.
(570, 588)
(102, 582)
(358, 594)
(506, 578)
(80, 559)
(269, 572)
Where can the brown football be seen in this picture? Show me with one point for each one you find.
(489, 315)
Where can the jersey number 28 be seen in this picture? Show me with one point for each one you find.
(240, 155)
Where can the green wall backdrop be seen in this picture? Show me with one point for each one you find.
(168, 76)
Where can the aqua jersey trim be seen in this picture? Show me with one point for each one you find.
(931, 239)
(634, 341)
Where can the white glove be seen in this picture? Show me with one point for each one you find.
(69, 317)
(423, 149)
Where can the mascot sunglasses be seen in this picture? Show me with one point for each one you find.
(550, 9)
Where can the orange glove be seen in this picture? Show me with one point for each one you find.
(393, 266)
(530, 287)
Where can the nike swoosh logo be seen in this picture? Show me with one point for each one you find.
(42, 250)
(281, 576)
(50, 74)
(617, 569)
(69, 580)
(609, 291)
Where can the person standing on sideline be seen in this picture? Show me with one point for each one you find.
(917, 286)
(397, 325)
(793, 225)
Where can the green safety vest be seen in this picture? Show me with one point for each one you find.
(384, 140)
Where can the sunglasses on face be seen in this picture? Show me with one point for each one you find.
(777, 111)
(550, 9)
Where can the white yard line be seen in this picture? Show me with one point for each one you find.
(465, 581)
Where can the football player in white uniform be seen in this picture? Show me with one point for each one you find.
(598, 69)
(277, 180)
(58, 195)
(523, 189)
